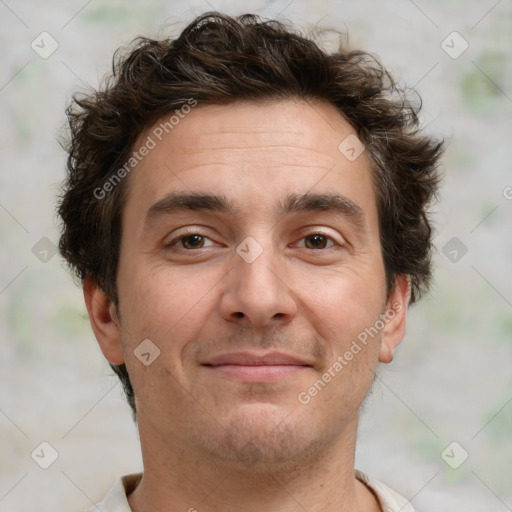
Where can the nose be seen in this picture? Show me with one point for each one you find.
(256, 293)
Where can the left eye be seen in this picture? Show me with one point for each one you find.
(192, 241)
(317, 241)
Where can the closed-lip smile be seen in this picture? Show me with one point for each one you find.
(255, 367)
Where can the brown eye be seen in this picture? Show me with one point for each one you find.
(192, 242)
(316, 241)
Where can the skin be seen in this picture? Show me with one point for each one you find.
(213, 437)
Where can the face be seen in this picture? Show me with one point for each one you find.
(251, 260)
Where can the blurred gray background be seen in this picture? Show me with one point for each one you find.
(437, 426)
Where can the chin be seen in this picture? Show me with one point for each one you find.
(263, 438)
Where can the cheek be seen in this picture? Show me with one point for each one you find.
(167, 307)
(170, 312)
(345, 303)
(344, 315)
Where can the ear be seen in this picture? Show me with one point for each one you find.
(104, 321)
(394, 319)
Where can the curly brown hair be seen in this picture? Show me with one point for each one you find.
(218, 59)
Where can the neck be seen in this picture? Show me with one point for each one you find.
(177, 479)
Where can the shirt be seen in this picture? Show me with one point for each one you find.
(116, 500)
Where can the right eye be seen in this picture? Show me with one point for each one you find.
(191, 241)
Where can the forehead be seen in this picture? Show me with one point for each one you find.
(252, 151)
(285, 128)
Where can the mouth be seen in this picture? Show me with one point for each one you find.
(251, 367)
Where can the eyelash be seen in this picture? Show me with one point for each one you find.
(187, 235)
(180, 238)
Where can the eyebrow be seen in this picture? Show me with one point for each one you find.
(328, 202)
(294, 203)
(179, 201)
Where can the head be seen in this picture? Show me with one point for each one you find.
(243, 138)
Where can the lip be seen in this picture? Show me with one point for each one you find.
(252, 367)
(254, 359)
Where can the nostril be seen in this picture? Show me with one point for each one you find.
(239, 314)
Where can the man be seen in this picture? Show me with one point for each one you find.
(247, 214)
